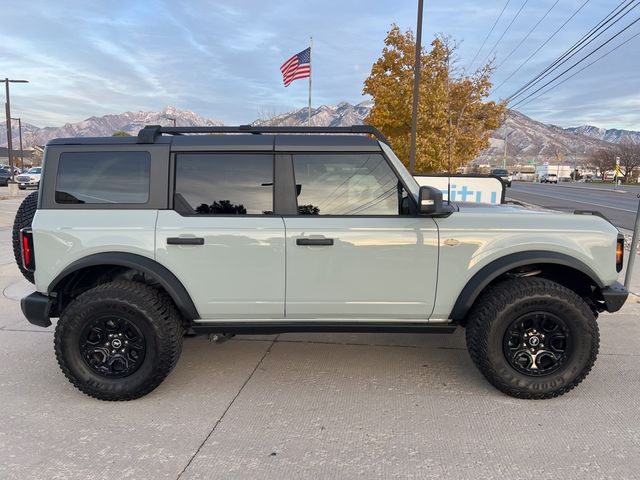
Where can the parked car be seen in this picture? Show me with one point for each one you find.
(504, 175)
(29, 179)
(549, 178)
(133, 242)
(5, 175)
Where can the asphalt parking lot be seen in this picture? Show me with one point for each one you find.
(312, 406)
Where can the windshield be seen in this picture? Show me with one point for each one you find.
(407, 178)
(35, 170)
(499, 172)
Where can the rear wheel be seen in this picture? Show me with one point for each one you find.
(532, 338)
(24, 217)
(119, 340)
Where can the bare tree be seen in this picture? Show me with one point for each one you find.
(604, 159)
(629, 154)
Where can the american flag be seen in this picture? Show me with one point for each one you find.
(298, 66)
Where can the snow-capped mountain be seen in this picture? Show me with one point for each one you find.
(612, 135)
(105, 126)
(527, 139)
(343, 114)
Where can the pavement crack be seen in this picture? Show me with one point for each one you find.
(228, 407)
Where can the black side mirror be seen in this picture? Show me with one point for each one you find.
(430, 200)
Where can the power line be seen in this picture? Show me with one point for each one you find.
(489, 34)
(578, 62)
(505, 31)
(581, 44)
(528, 34)
(523, 103)
(542, 46)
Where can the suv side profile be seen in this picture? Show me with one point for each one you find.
(134, 242)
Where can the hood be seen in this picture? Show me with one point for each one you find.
(531, 217)
(507, 208)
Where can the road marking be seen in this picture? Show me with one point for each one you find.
(578, 201)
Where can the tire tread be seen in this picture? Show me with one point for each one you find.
(498, 297)
(162, 311)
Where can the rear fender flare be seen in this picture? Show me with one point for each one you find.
(160, 273)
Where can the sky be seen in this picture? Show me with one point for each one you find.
(221, 58)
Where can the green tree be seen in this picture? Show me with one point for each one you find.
(120, 134)
(454, 118)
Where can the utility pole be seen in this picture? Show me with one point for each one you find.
(8, 112)
(416, 91)
(21, 149)
(506, 136)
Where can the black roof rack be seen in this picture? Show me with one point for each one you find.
(149, 133)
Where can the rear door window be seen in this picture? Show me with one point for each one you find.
(103, 177)
(224, 184)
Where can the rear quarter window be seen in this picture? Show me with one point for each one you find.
(103, 178)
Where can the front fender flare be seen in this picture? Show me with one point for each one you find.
(493, 270)
(160, 273)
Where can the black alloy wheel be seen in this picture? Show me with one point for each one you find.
(112, 346)
(537, 343)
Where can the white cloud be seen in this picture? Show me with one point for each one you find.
(221, 58)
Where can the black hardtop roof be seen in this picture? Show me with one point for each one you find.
(245, 137)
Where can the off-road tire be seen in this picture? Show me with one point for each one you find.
(150, 310)
(504, 303)
(24, 217)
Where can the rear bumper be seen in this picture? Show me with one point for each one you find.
(614, 297)
(36, 307)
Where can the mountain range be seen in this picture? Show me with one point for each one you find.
(527, 139)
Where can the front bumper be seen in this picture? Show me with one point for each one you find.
(614, 297)
(37, 307)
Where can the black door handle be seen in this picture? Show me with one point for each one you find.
(326, 242)
(185, 241)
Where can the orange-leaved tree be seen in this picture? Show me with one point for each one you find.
(454, 117)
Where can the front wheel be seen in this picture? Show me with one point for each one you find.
(532, 338)
(119, 340)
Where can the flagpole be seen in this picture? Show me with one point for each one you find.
(310, 72)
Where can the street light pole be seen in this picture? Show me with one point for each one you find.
(7, 81)
(170, 118)
(416, 91)
(21, 149)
